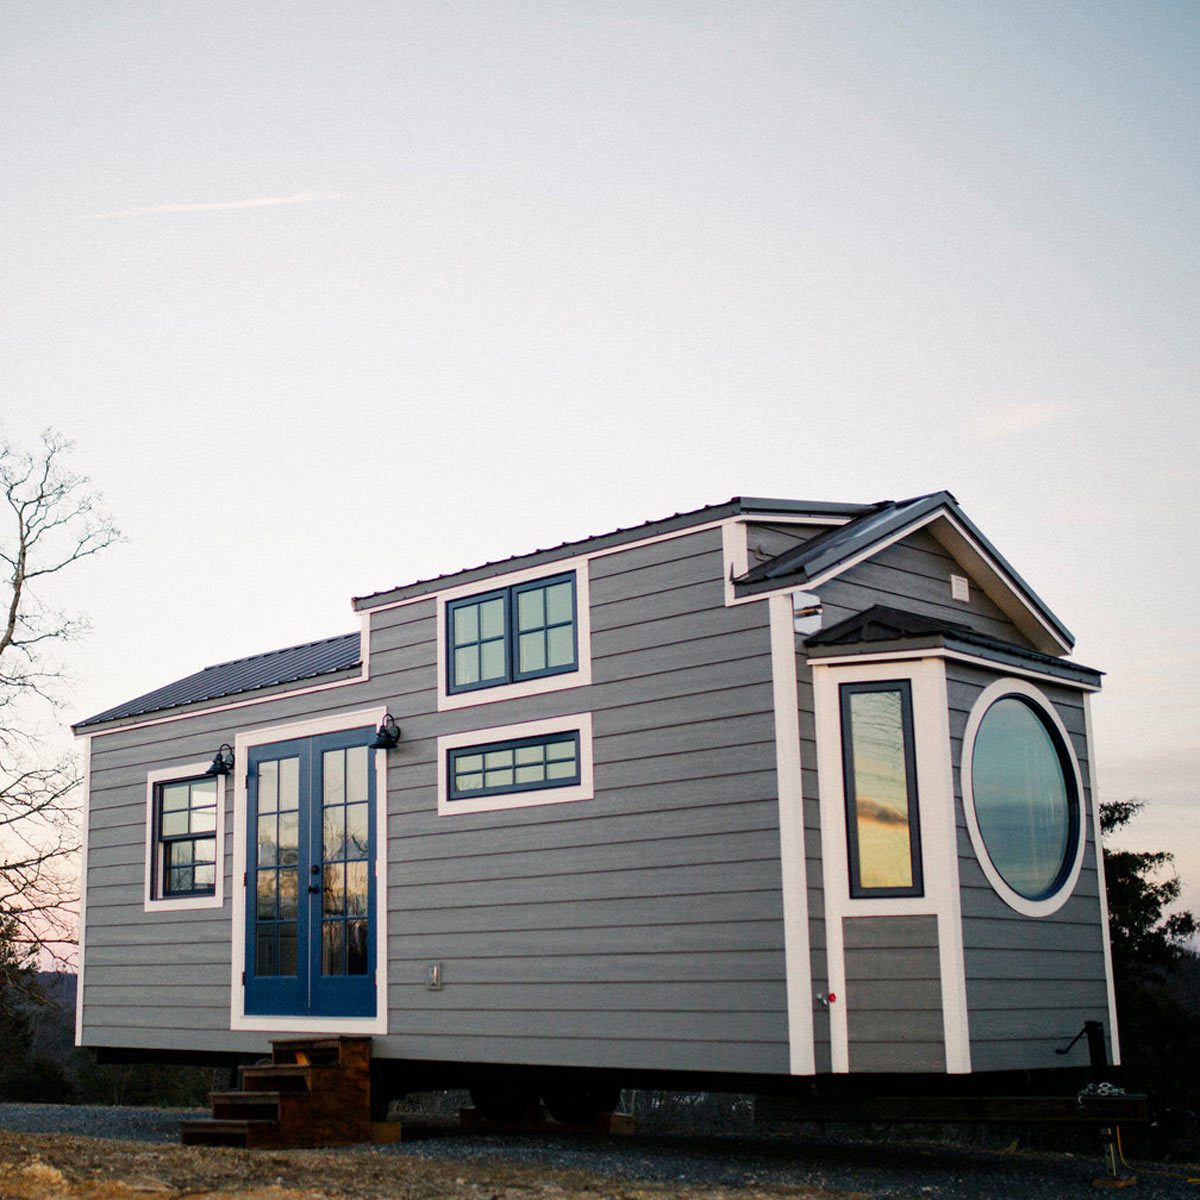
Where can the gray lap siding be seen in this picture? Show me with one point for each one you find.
(643, 927)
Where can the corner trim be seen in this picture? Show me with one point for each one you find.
(1114, 1035)
(792, 847)
(83, 886)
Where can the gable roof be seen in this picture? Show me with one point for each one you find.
(271, 669)
(836, 550)
(882, 623)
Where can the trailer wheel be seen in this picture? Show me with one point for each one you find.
(581, 1103)
(504, 1103)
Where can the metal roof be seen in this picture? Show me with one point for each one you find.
(835, 547)
(271, 669)
(738, 505)
(882, 623)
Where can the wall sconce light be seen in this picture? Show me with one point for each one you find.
(222, 762)
(388, 736)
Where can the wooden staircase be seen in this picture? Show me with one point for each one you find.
(314, 1092)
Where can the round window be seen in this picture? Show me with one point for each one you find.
(1025, 799)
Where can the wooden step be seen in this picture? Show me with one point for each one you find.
(228, 1133)
(250, 1106)
(307, 1051)
(280, 1077)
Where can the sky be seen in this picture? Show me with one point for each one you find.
(334, 296)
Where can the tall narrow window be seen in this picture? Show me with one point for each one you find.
(187, 843)
(882, 829)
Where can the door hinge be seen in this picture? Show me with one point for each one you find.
(243, 979)
(245, 879)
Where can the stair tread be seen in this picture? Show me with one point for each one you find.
(227, 1124)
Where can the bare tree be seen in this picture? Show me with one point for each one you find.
(49, 519)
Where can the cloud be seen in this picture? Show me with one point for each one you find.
(1011, 419)
(215, 205)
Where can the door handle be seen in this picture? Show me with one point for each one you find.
(314, 888)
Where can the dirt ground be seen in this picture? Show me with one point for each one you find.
(58, 1167)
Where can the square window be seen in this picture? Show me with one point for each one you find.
(521, 632)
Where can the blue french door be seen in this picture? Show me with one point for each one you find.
(310, 879)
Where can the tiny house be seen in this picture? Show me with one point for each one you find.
(755, 795)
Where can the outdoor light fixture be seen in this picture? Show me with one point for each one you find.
(222, 762)
(388, 736)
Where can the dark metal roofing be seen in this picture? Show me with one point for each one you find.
(881, 623)
(271, 669)
(748, 505)
(829, 550)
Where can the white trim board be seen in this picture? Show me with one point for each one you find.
(1114, 1035)
(238, 1020)
(976, 660)
(83, 887)
(151, 902)
(792, 850)
(585, 789)
(936, 816)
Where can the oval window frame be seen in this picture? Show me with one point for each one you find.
(1040, 703)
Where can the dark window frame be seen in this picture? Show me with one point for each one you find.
(162, 889)
(854, 871)
(509, 595)
(543, 739)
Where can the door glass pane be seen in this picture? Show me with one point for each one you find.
(356, 831)
(334, 889)
(356, 947)
(356, 889)
(356, 774)
(335, 776)
(287, 949)
(268, 787)
(333, 948)
(266, 895)
(289, 784)
(288, 889)
(289, 838)
(332, 839)
(265, 959)
(267, 841)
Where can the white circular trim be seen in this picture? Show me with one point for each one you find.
(993, 692)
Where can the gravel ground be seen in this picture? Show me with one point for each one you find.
(672, 1164)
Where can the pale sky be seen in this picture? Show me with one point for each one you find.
(334, 296)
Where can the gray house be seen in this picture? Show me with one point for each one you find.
(755, 793)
